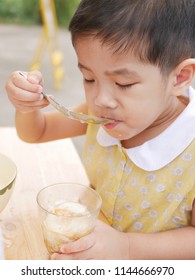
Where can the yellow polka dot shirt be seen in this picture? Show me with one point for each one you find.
(149, 188)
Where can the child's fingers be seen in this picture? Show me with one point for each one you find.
(57, 256)
(26, 96)
(27, 109)
(84, 255)
(35, 77)
(82, 244)
(20, 82)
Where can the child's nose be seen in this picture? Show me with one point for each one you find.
(105, 100)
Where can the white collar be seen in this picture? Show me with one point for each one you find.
(162, 149)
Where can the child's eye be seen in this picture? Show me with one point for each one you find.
(124, 86)
(88, 81)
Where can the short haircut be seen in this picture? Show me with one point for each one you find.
(161, 32)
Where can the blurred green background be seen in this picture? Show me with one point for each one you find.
(28, 11)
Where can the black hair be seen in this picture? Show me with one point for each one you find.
(161, 32)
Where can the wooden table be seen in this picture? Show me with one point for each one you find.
(38, 165)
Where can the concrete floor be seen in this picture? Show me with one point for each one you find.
(17, 49)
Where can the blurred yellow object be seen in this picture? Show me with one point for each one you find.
(57, 57)
(50, 37)
(58, 75)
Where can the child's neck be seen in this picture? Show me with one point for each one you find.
(156, 128)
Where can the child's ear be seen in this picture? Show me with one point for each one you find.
(183, 75)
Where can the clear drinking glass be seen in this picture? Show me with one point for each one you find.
(68, 211)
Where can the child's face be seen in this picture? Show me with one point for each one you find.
(121, 87)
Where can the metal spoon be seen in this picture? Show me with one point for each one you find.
(83, 118)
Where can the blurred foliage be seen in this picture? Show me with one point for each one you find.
(65, 10)
(28, 11)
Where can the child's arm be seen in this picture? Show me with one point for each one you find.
(176, 244)
(32, 124)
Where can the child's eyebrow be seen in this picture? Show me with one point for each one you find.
(81, 66)
(120, 71)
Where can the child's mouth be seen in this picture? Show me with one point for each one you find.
(112, 125)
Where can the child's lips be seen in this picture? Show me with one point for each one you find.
(112, 125)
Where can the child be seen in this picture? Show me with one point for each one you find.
(137, 59)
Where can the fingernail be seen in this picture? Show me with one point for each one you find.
(39, 89)
(41, 97)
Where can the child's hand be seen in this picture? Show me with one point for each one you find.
(25, 94)
(103, 243)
